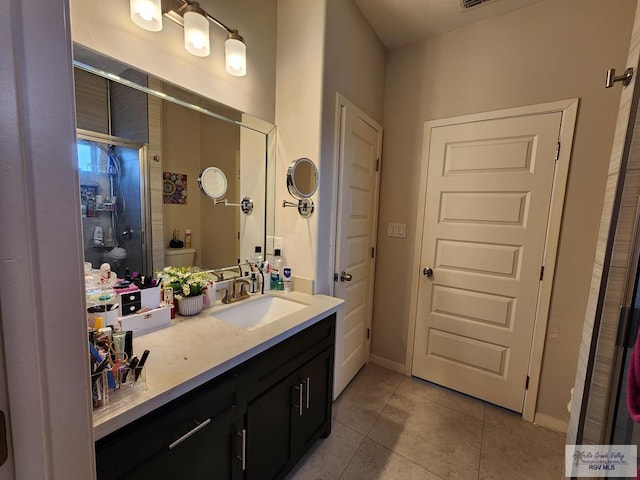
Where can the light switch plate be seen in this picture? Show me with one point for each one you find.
(397, 230)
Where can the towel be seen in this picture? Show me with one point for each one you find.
(633, 382)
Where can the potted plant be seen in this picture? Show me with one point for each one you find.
(188, 287)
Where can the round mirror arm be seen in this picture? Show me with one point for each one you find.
(305, 206)
(246, 204)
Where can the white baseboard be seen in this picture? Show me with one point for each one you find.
(550, 422)
(388, 364)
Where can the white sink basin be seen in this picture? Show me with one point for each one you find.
(252, 314)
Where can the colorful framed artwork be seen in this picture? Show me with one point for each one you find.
(174, 188)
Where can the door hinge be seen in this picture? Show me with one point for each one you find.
(526, 385)
(373, 252)
(541, 272)
(368, 333)
(377, 164)
(557, 152)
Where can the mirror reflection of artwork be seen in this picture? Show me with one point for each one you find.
(174, 188)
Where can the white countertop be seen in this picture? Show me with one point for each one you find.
(194, 350)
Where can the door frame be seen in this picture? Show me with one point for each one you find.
(569, 110)
(343, 103)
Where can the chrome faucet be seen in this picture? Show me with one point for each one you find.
(238, 290)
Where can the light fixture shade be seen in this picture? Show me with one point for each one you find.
(235, 53)
(196, 32)
(147, 14)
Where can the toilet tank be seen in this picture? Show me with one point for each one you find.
(179, 257)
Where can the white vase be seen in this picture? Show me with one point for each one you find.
(189, 305)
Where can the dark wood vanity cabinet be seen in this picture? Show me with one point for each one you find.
(285, 421)
(254, 422)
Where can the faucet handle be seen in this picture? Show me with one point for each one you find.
(227, 298)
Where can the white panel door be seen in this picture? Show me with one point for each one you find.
(360, 145)
(488, 196)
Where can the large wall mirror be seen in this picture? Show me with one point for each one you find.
(142, 145)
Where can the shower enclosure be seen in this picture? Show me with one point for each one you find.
(113, 195)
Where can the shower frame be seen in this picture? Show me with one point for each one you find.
(145, 196)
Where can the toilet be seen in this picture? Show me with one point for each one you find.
(179, 257)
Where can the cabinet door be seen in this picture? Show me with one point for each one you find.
(208, 452)
(270, 448)
(316, 379)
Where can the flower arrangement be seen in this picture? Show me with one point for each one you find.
(185, 282)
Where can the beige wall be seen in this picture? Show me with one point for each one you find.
(191, 142)
(298, 114)
(323, 48)
(181, 154)
(106, 27)
(220, 144)
(354, 66)
(549, 51)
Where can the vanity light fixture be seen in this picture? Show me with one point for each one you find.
(235, 54)
(147, 14)
(196, 31)
(188, 14)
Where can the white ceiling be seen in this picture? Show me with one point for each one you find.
(400, 22)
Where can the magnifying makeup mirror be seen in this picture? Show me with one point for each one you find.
(213, 184)
(302, 183)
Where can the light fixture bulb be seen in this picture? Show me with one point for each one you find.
(235, 52)
(147, 14)
(196, 31)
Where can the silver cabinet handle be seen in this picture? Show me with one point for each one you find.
(308, 387)
(243, 455)
(299, 388)
(200, 426)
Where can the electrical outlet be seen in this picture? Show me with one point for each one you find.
(397, 230)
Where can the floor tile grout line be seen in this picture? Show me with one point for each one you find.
(401, 455)
(352, 457)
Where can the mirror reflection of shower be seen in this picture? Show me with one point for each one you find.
(112, 203)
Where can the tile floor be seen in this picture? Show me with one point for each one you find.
(388, 426)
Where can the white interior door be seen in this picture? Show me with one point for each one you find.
(357, 213)
(488, 196)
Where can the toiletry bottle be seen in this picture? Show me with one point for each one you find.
(266, 276)
(286, 278)
(276, 270)
(187, 238)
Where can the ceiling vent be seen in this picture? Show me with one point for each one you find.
(467, 4)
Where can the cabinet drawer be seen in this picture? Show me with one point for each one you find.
(122, 451)
(130, 297)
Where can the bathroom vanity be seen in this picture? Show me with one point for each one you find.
(225, 400)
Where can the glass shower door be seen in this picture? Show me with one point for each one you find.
(624, 431)
(113, 204)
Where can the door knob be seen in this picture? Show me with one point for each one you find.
(427, 271)
(345, 277)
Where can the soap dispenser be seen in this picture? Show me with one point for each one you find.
(276, 270)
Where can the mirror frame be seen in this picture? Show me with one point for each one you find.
(291, 181)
